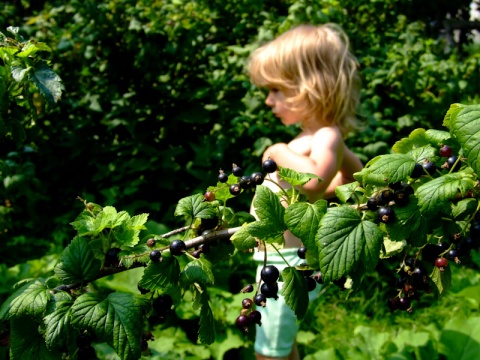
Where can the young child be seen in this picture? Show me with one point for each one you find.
(312, 80)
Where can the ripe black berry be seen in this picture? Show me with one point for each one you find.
(155, 255)
(269, 166)
(247, 303)
(151, 242)
(111, 257)
(257, 178)
(385, 214)
(384, 197)
(451, 161)
(445, 151)
(255, 317)
(247, 289)
(260, 299)
(242, 321)
(269, 274)
(222, 177)
(163, 304)
(404, 303)
(84, 340)
(235, 189)
(177, 247)
(430, 167)
(270, 290)
(475, 230)
(393, 304)
(417, 171)
(301, 252)
(245, 182)
(311, 283)
(372, 203)
(237, 170)
(86, 353)
(401, 198)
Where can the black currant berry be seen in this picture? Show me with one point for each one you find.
(247, 303)
(385, 214)
(451, 161)
(255, 317)
(209, 196)
(196, 254)
(177, 247)
(475, 230)
(401, 198)
(311, 283)
(445, 151)
(384, 197)
(430, 167)
(245, 182)
(111, 257)
(144, 345)
(270, 290)
(417, 171)
(222, 177)
(237, 170)
(400, 282)
(162, 304)
(404, 303)
(270, 274)
(257, 178)
(393, 304)
(430, 252)
(235, 189)
(247, 289)
(242, 321)
(372, 203)
(302, 252)
(260, 299)
(155, 255)
(269, 166)
(87, 353)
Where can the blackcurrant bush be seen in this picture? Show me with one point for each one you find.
(155, 255)
(340, 282)
(255, 317)
(400, 282)
(257, 178)
(401, 198)
(430, 167)
(453, 254)
(151, 242)
(269, 166)
(475, 230)
(237, 170)
(247, 303)
(235, 189)
(162, 304)
(270, 290)
(311, 283)
(307, 273)
(111, 257)
(384, 197)
(445, 151)
(242, 321)
(430, 252)
(222, 177)
(269, 274)
(144, 345)
(372, 203)
(260, 299)
(396, 186)
(417, 171)
(209, 196)
(453, 164)
(302, 252)
(385, 214)
(177, 247)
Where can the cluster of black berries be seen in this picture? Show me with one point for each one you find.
(453, 162)
(245, 182)
(395, 194)
(248, 315)
(177, 247)
(146, 336)
(311, 278)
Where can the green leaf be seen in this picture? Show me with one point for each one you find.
(194, 206)
(464, 208)
(206, 332)
(27, 343)
(77, 263)
(198, 271)
(392, 247)
(116, 319)
(242, 240)
(385, 169)
(268, 208)
(295, 291)
(57, 321)
(161, 275)
(295, 178)
(407, 221)
(435, 194)
(347, 191)
(47, 82)
(265, 231)
(464, 123)
(460, 338)
(19, 70)
(416, 139)
(30, 299)
(442, 280)
(345, 242)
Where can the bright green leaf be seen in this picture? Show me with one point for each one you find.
(194, 207)
(30, 299)
(441, 279)
(347, 191)
(296, 178)
(57, 321)
(242, 240)
(295, 291)
(198, 271)
(265, 231)
(268, 208)
(416, 139)
(460, 338)
(385, 169)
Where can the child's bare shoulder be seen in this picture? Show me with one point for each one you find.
(328, 134)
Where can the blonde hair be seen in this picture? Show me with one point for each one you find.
(316, 65)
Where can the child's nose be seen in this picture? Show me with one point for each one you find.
(269, 99)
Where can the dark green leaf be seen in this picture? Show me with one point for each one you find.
(442, 280)
(77, 264)
(161, 275)
(57, 320)
(295, 291)
(47, 82)
(198, 271)
(194, 207)
(242, 240)
(30, 299)
(206, 332)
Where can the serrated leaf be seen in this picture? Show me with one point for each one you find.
(137, 222)
(435, 194)
(442, 280)
(198, 271)
(268, 208)
(347, 191)
(161, 275)
(416, 139)
(464, 208)
(30, 299)
(116, 319)
(345, 242)
(206, 332)
(302, 220)
(407, 221)
(296, 178)
(390, 168)
(27, 343)
(265, 231)
(295, 292)
(392, 247)
(464, 124)
(242, 240)
(77, 263)
(194, 206)
(18, 70)
(57, 321)
(436, 137)
(48, 83)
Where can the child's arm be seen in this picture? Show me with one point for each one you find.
(325, 159)
(351, 164)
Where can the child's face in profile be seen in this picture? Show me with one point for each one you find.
(276, 100)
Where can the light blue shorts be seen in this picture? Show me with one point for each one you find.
(276, 336)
